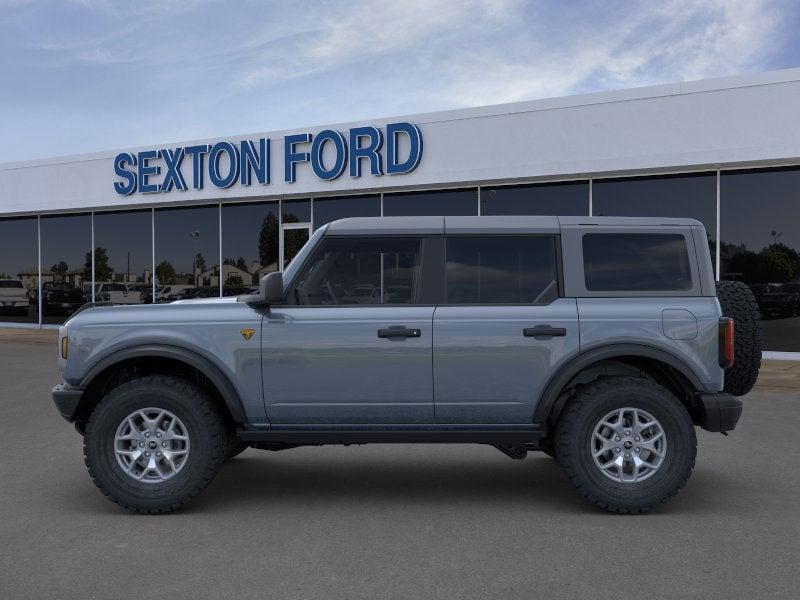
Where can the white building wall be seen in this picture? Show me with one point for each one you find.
(728, 122)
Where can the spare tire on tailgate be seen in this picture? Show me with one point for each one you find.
(738, 303)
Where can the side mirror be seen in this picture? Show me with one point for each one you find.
(272, 288)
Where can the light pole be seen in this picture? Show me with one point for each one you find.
(195, 235)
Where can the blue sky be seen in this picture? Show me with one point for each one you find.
(88, 75)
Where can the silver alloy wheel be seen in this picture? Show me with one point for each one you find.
(628, 445)
(151, 445)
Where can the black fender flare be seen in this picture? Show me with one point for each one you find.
(585, 359)
(223, 384)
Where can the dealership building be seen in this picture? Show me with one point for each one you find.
(211, 217)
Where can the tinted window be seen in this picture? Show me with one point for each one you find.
(331, 209)
(552, 199)
(124, 253)
(760, 231)
(19, 266)
(296, 211)
(501, 270)
(187, 247)
(361, 271)
(67, 263)
(249, 244)
(446, 203)
(636, 262)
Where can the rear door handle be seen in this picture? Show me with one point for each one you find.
(399, 332)
(544, 331)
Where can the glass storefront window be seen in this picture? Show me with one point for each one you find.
(123, 257)
(331, 209)
(760, 230)
(691, 195)
(553, 199)
(250, 240)
(187, 253)
(445, 202)
(66, 265)
(19, 270)
(296, 211)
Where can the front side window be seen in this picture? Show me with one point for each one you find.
(348, 271)
(501, 270)
(637, 262)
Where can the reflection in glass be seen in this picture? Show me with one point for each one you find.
(293, 241)
(123, 261)
(641, 262)
(249, 245)
(553, 199)
(446, 203)
(760, 229)
(501, 270)
(296, 211)
(66, 265)
(187, 253)
(691, 195)
(331, 209)
(360, 271)
(19, 270)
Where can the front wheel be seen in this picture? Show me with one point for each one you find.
(626, 443)
(154, 443)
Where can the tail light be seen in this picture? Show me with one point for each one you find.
(726, 334)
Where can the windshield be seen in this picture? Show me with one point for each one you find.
(10, 283)
(300, 257)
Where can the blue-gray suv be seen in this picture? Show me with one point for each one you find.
(602, 342)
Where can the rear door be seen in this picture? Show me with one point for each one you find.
(502, 330)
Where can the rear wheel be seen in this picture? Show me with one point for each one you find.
(626, 443)
(154, 443)
(738, 303)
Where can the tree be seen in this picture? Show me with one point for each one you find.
(234, 281)
(199, 262)
(268, 241)
(165, 273)
(59, 268)
(241, 263)
(102, 270)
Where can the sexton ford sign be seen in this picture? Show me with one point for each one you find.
(225, 164)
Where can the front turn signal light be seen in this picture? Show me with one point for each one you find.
(64, 347)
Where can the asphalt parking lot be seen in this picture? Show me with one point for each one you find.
(392, 521)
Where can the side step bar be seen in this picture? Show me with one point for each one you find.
(504, 435)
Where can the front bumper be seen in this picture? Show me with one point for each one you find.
(66, 399)
(719, 412)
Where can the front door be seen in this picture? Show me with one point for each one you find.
(352, 344)
(503, 329)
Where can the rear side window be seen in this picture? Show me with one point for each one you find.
(638, 262)
(501, 270)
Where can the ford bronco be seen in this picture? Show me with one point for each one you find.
(602, 342)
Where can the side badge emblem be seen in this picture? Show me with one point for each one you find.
(247, 333)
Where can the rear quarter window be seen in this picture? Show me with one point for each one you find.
(637, 262)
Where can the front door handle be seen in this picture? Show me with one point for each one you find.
(399, 332)
(544, 331)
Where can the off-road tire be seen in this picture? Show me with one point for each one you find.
(738, 303)
(573, 443)
(235, 448)
(207, 435)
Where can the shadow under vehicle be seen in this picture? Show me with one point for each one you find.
(14, 298)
